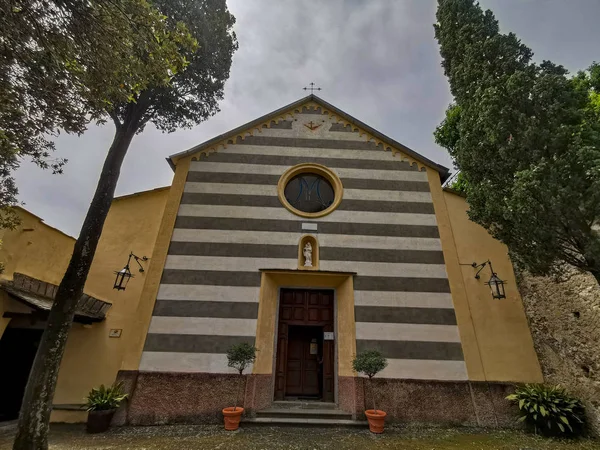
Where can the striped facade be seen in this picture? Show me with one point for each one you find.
(231, 225)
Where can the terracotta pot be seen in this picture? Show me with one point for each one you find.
(376, 420)
(232, 418)
(99, 421)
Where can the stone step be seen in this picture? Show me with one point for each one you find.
(299, 404)
(304, 413)
(290, 421)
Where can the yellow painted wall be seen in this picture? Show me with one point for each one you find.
(91, 357)
(495, 333)
(140, 320)
(35, 249)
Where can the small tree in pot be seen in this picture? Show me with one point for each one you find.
(239, 357)
(101, 404)
(370, 363)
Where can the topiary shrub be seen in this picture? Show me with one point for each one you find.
(239, 357)
(370, 363)
(549, 409)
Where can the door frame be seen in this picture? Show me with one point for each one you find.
(335, 340)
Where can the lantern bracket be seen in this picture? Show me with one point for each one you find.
(481, 267)
(137, 259)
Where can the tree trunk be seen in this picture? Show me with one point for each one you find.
(34, 418)
(237, 398)
(373, 394)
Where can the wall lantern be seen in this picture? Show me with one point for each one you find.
(125, 274)
(496, 284)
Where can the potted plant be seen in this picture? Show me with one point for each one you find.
(370, 363)
(239, 357)
(101, 404)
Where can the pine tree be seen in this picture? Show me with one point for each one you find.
(526, 138)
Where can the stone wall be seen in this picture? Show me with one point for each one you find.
(565, 324)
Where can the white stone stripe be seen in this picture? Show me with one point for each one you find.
(310, 152)
(241, 264)
(407, 332)
(331, 135)
(325, 240)
(403, 299)
(271, 191)
(255, 212)
(266, 169)
(207, 293)
(202, 326)
(186, 362)
(422, 369)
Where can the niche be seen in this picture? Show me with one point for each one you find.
(308, 253)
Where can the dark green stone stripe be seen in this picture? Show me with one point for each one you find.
(210, 277)
(264, 201)
(390, 284)
(361, 283)
(242, 250)
(284, 160)
(381, 255)
(272, 180)
(193, 343)
(443, 351)
(191, 308)
(388, 314)
(363, 229)
(291, 252)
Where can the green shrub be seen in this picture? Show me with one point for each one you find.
(549, 409)
(240, 356)
(369, 363)
(103, 398)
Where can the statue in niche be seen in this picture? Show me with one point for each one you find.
(308, 255)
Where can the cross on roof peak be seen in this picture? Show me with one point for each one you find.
(311, 87)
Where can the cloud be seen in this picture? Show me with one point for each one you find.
(376, 60)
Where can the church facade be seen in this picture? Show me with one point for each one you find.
(313, 237)
(307, 234)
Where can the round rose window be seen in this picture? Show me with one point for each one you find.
(309, 193)
(310, 190)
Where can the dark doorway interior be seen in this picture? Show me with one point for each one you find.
(17, 351)
(304, 365)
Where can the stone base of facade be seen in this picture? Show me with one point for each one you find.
(157, 398)
(462, 403)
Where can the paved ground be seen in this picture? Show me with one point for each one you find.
(65, 437)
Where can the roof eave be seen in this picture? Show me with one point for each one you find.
(443, 171)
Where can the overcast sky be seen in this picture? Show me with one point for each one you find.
(375, 59)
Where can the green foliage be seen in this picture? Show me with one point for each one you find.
(103, 398)
(549, 409)
(526, 138)
(62, 63)
(369, 363)
(459, 184)
(192, 95)
(240, 356)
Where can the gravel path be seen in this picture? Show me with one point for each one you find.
(212, 437)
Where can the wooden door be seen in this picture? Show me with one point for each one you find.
(295, 363)
(302, 373)
(303, 317)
